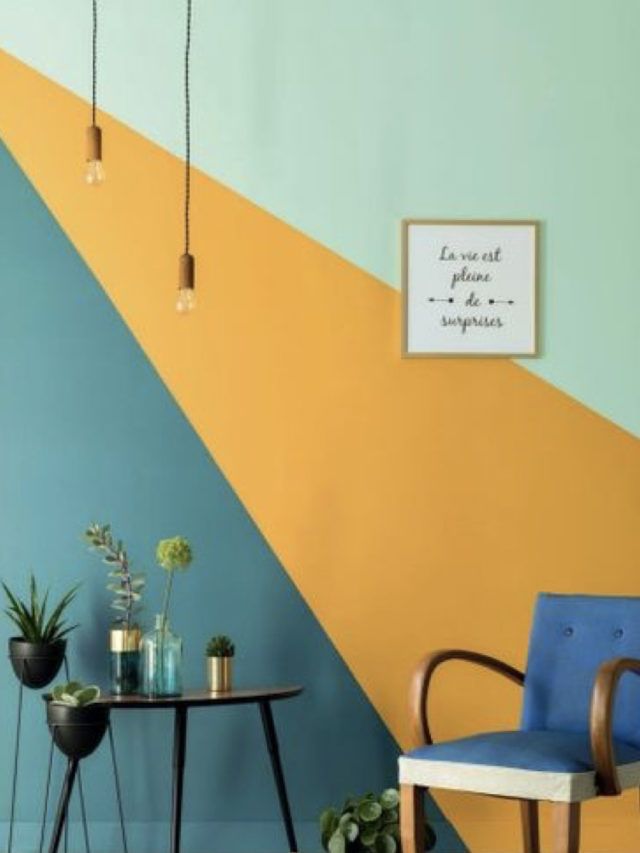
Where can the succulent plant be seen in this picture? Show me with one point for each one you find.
(220, 646)
(74, 694)
(368, 824)
(31, 617)
(126, 585)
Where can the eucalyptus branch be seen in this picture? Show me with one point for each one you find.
(126, 585)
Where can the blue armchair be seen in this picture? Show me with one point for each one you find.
(572, 745)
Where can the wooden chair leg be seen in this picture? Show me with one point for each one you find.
(566, 827)
(412, 818)
(530, 826)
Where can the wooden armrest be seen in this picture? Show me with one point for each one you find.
(601, 722)
(421, 681)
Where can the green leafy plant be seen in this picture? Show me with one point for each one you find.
(33, 619)
(220, 646)
(75, 694)
(368, 824)
(172, 555)
(126, 585)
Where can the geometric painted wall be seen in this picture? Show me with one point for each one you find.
(88, 430)
(342, 118)
(411, 505)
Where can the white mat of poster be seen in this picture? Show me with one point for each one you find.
(469, 287)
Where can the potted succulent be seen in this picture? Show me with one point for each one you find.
(127, 588)
(368, 824)
(38, 651)
(160, 648)
(76, 719)
(220, 652)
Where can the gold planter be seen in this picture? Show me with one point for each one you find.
(122, 639)
(219, 672)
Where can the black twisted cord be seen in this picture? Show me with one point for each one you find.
(187, 133)
(94, 61)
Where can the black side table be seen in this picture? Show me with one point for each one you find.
(262, 697)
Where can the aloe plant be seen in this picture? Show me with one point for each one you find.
(32, 618)
(126, 585)
(368, 824)
(74, 694)
(220, 646)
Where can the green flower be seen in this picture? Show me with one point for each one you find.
(174, 553)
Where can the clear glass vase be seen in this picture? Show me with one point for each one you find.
(161, 658)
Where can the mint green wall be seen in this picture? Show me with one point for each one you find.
(88, 431)
(343, 117)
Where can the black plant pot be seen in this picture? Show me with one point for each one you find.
(36, 664)
(77, 731)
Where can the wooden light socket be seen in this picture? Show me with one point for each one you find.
(187, 277)
(94, 143)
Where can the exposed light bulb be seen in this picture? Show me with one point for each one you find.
(186, 301)
(94, 173)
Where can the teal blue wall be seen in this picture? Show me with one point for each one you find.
(342, 117)
(88, 431)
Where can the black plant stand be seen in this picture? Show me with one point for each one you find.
(61, 823)
(16, 763)
(21, 668)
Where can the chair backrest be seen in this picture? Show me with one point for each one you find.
(571, 636)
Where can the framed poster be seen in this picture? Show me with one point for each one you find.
(469, 287)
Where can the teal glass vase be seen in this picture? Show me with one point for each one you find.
(124, 649)
(161, 658)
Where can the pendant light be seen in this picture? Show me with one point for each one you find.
(186, 301)
(94, 172)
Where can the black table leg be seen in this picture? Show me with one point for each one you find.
(116, 779)
(179, 752)
(276, 764)
(63, 804)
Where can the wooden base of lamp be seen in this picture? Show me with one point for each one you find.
(94, 143)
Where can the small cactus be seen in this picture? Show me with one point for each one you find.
(220, 646)
(74, 694)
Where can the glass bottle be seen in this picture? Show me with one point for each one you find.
(161, 653)
(124, 651)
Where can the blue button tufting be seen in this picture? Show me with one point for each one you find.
(568, 632)
(618, 633)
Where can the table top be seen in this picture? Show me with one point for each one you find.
(201, 698)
